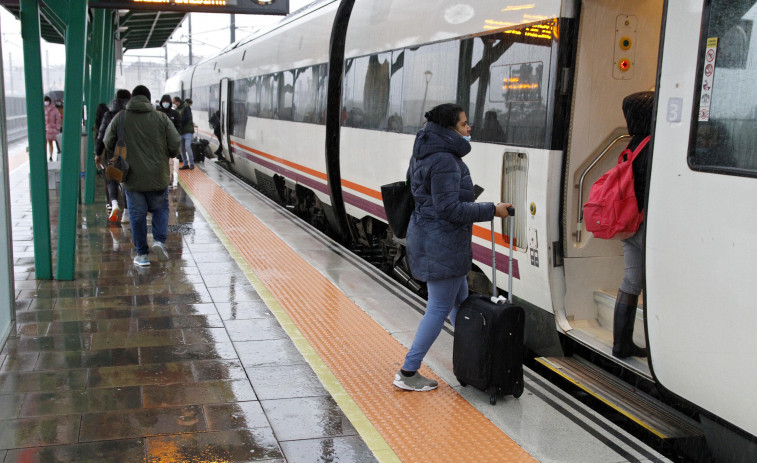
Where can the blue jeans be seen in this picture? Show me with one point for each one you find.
(633, 278)
(186, 149)
(140, 203)
(444, 297)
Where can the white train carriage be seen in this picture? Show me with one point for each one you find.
(321, 109)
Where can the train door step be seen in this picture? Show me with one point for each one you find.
(644, 410)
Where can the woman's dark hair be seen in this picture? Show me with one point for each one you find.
(47, 98)
(446, 114)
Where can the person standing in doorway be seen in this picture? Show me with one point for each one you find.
(186, 131)
(53, 125)
(151, 139)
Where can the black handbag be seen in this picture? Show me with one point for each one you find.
(399, 205)
(117, 168)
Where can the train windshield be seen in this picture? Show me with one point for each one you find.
(726, 125)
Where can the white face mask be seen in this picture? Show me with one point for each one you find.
(166, 104)
(467, 138)
(47, 103)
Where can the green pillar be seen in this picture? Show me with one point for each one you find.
(107, 44)
(93, 99)
(35, 116)
(76, 43)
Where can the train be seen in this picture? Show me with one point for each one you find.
(321, 109)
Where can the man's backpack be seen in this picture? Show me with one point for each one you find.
(612, 210)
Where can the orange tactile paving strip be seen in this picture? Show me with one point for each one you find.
(430, 426)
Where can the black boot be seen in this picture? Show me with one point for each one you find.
(622, 327)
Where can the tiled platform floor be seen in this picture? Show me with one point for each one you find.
(177, 362)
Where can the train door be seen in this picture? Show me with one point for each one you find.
(616, 55)
(224, 107)
(700, 245)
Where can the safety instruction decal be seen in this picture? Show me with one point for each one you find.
(708, 77)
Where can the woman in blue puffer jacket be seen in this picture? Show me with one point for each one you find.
(440, 230)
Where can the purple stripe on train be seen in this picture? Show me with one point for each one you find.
(480, 253)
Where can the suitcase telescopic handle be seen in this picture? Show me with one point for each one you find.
(495, 298)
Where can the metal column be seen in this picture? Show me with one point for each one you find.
(93, 99)
(76, 41)
(7, 288)
(35, 116)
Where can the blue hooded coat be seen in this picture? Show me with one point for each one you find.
(441, 226)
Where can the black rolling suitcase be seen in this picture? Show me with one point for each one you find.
(488, 342)
(199, 148)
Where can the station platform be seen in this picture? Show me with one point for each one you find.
(259, 340)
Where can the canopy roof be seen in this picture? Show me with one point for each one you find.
(138, 28)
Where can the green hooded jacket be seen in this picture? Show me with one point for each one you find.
(151, 139)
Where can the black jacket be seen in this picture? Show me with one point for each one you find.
(117, 105)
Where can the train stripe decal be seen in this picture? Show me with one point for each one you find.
(480, 253)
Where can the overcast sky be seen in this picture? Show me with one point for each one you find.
(210, 34)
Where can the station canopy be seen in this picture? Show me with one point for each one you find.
(137, 28)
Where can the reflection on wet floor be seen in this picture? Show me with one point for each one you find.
(177, 362)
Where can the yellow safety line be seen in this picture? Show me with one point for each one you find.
(360, 422)
(623, 412)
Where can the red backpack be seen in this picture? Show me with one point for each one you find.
(612, 210)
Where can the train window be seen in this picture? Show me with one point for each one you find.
(306, 97)
(238, 119)
(321, 73)
(429, 79)
(394, 119)
(200, 100)
(253, 97)
(508, 80)
(286, 95)
(269, 96)
(726, 122)
(369, 92)
(214, 100)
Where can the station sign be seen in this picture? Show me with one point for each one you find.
(273, 7)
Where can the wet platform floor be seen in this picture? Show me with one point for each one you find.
(177, 362)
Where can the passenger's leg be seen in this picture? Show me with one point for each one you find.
(158, 207)
(462, 294)
(186, 151)
(137, 204)
(442, 296)
(628, 296)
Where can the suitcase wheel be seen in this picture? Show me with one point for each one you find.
(462, 383)
(518, 390)
(493, 399)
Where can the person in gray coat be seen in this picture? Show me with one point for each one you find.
(441, 228)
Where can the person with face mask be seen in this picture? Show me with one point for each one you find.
(53, 124)
(439, 235)
(164, 106)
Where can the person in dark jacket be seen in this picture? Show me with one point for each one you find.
(440, 230)
(186, 131)
(151, 139)
(637, 109)
(164, 106)
(111, 186)
(215, 123)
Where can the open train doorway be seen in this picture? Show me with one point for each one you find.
(616, 55)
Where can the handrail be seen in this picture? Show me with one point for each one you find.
(596, 160)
